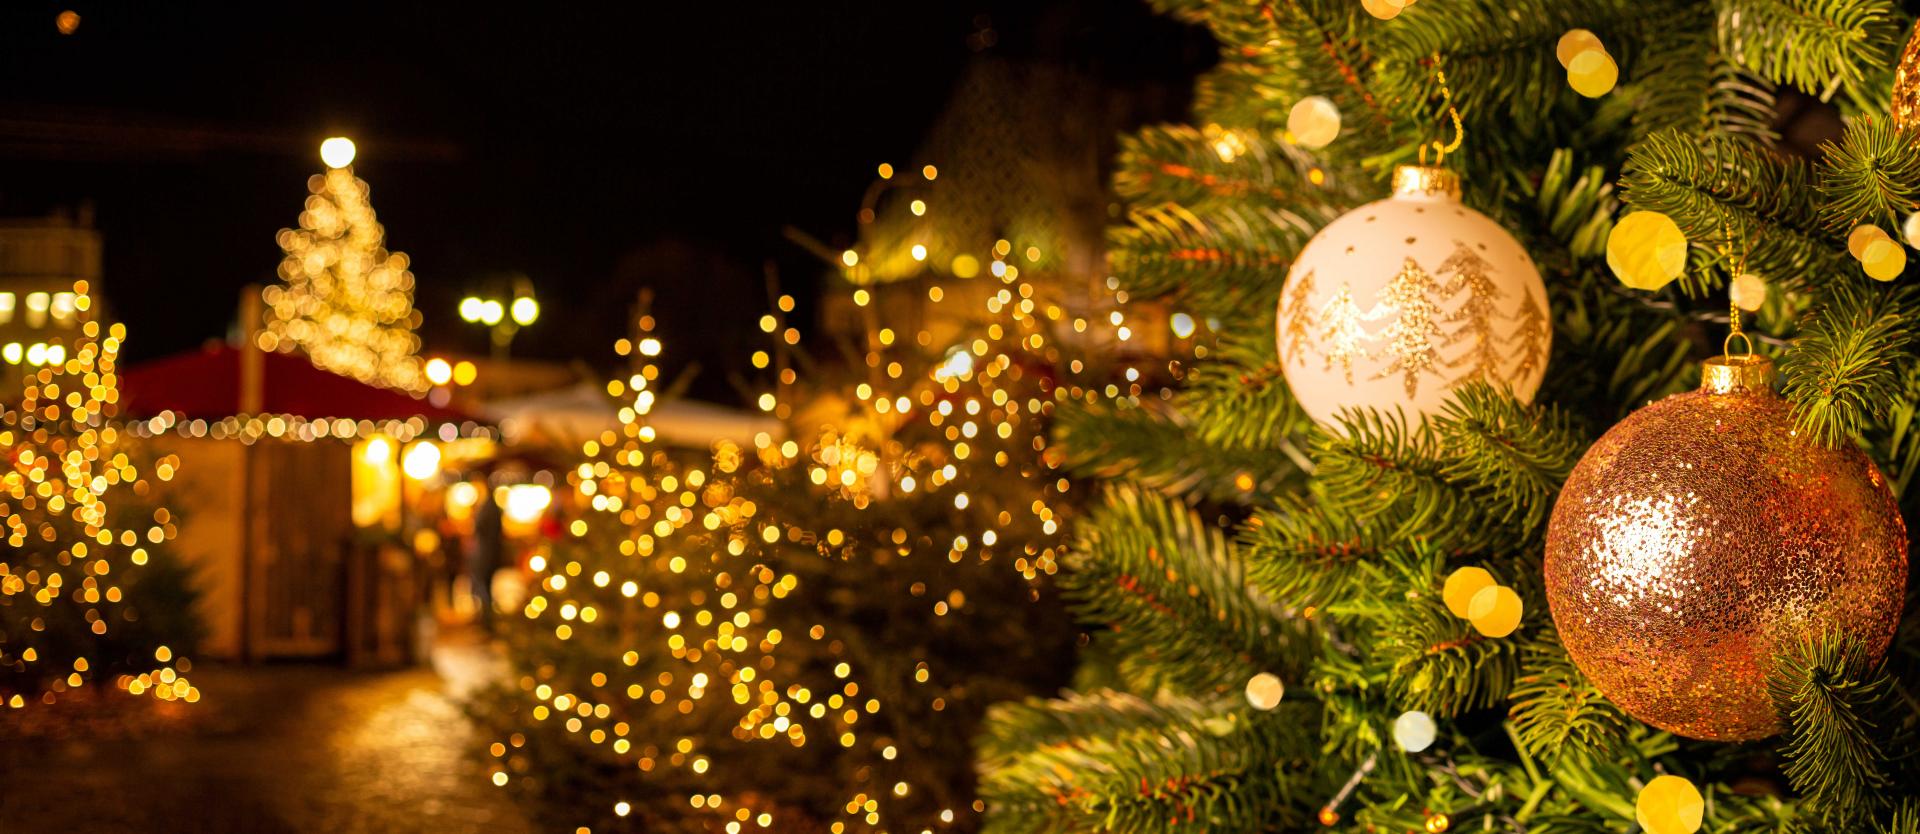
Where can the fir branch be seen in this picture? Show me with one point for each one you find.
(1848, 364)
(1176, 595)
(1240, 399)
(1613, 353)
(1832, 696)
(1498, 55)
(1165, 451)
(1172, 765)
(1725, 190)
(1871, 176)
(1302, 556)
(1219, 262)
(1576, 206)
(1514, 455)
(1685, 84)
(1438, 663)
(1374, 469)
(1557, 711)
(1179, 164)
(1810, 44)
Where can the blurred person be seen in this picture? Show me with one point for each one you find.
(484, 550)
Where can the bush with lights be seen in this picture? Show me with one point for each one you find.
(803, 634)
(91, 593)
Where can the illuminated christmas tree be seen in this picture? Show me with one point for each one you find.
(343, 299)
(89, 588)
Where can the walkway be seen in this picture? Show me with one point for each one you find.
(269, 750)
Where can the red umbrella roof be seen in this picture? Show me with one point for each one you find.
(205, 384)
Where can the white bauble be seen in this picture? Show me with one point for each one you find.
(1397, 303)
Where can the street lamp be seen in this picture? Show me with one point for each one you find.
(502, 318)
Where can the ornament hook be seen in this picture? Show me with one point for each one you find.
(1736, 269)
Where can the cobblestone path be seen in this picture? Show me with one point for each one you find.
(269, 750)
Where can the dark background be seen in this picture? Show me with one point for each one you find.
(596, 148)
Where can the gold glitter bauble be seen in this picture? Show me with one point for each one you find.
(1906, 85)
(1702, 535)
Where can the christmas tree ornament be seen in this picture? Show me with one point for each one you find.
(1906, 85)
(1669, 805)
(1414, 731)
(1910, 229)
(1592, 73)
(1265, 690)
(1702, 535)
(1314, 122)
(1574, 42)
(1862, 235)
(1646, 250)
(1883, 259)
(1748, 291)
(1460, 587)
(1496, 611)
(1396, 303)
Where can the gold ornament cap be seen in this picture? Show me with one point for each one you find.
(1748, 374)
(1426, 182)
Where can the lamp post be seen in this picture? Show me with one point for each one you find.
(503, 317)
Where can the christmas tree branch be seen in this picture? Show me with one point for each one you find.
(1172, 765)
(1166, 452)
(1871, 176)
(1514, 455)
(1846, 368)
(1175, 591)
(1810, 44)
(1179, 164)
(1723, 190)
(1376, 470)
(1221, 262)
(1557, 711)
(1832, 696)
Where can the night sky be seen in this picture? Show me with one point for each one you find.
(593, 147)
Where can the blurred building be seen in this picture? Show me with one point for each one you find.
(40, 260)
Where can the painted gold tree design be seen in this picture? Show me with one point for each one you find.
(1298, 322)
(1409, 337)
(1530, 337)
(1475, 316)
(1343, 338)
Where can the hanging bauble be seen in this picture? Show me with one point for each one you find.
(1701, 536)
(1398, 302)
(1906, 85)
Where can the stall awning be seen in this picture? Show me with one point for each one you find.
(206, 384)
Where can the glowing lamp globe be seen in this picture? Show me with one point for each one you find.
(337, 152)
(1396, 304)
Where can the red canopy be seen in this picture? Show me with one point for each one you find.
(205, 384)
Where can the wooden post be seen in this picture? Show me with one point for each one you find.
(252, 398)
